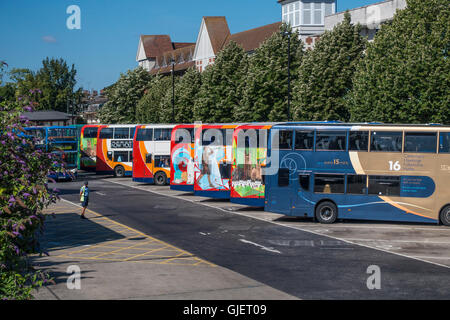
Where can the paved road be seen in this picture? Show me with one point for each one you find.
(303, 264)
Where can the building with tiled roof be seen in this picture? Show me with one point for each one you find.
(213, 36)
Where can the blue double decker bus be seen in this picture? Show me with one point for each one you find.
(359, 171)
(62, 141)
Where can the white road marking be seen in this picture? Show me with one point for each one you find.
(286, 225)
(260, 246)
(102, 194)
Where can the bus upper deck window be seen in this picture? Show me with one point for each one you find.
(106, 133)
(420, 142)
(358, 141)
(304, 140)
(162, 134)
(285, 139)
(121, 133)
(383, 141)
(144, 134)
(331, 140)
(444, 142)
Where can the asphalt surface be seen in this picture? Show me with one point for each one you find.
(311, 266)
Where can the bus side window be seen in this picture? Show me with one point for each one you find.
(148, 158)
(358, 141)
(285, 140)
(303, 179)
(109, 155)
(283, 177)
(444, 142)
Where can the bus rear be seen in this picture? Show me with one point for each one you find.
(115, 150)
(248, 160)
(88, 147)
(212, 160)
(64, 142)
(182, 158)
(151, 154)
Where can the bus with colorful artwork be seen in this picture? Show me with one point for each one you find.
(182, 158)
(115, 149)
(88, 147)
(151, 153)
(360, 171)
(248, 160)
(212, 160)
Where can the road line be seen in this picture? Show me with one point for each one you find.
(283, 225)
(260, 246)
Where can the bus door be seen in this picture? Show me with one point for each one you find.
(302, 203)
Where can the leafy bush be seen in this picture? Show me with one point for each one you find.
(24, 194)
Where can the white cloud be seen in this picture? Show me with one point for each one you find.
(49, 39)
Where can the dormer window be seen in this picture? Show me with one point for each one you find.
(291, 13)
(307, 12)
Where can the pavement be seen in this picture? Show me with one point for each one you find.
(119, 262)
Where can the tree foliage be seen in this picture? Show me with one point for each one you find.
(124, 96)
(56, 80)
(265, 91)
(221, 90)
(326, 73)
(149, 108)
(405, 77)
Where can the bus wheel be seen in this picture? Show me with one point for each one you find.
(326, 212)
(160, 178)
(444, 216)
(119, 172)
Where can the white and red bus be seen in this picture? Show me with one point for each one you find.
(115, 149)
(151, 153)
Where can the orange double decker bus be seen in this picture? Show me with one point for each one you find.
(115, 150)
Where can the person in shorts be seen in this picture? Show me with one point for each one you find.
(84, 198)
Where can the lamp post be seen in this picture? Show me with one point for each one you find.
(288, 35)
(173, 89)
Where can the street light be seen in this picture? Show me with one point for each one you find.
(172, 61)
(288, 35)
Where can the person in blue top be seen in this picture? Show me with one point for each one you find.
(84, 198)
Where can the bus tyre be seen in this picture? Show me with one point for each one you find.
(119, 172)
(444, 216)
(326, 212)
(160, 178)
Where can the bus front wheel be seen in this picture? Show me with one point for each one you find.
(160, 179)
(326, 212)
(119, 172)
(444, 216)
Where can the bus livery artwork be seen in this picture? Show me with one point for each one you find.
(88, 147)
(212, 160)
(182, 158)
(248, 160)
(361, 171)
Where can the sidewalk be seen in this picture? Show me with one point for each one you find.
(118, 262)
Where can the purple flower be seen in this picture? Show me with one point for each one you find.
(26, 195)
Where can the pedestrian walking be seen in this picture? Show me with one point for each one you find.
(84, 198)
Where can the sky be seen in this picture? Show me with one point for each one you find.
(106, 43)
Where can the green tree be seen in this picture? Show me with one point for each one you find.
(124, 96)
(265, 89)
(186, 91)
(221, 89)
(405, 77)
(56, 81)
(326, 74)
(148, 109)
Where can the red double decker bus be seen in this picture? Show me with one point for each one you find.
(182, 158)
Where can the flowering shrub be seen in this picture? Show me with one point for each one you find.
(24, 194)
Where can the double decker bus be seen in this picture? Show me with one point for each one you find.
(212, 160)
(182, 158)
(115, 149)
(151, 154)
(62, 141)
(88, 147)
(361, 171)
(248, 160)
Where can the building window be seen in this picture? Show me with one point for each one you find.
(291, 13)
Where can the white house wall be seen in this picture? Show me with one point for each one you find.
(203, 48)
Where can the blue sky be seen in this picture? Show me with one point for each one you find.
(107, 43)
